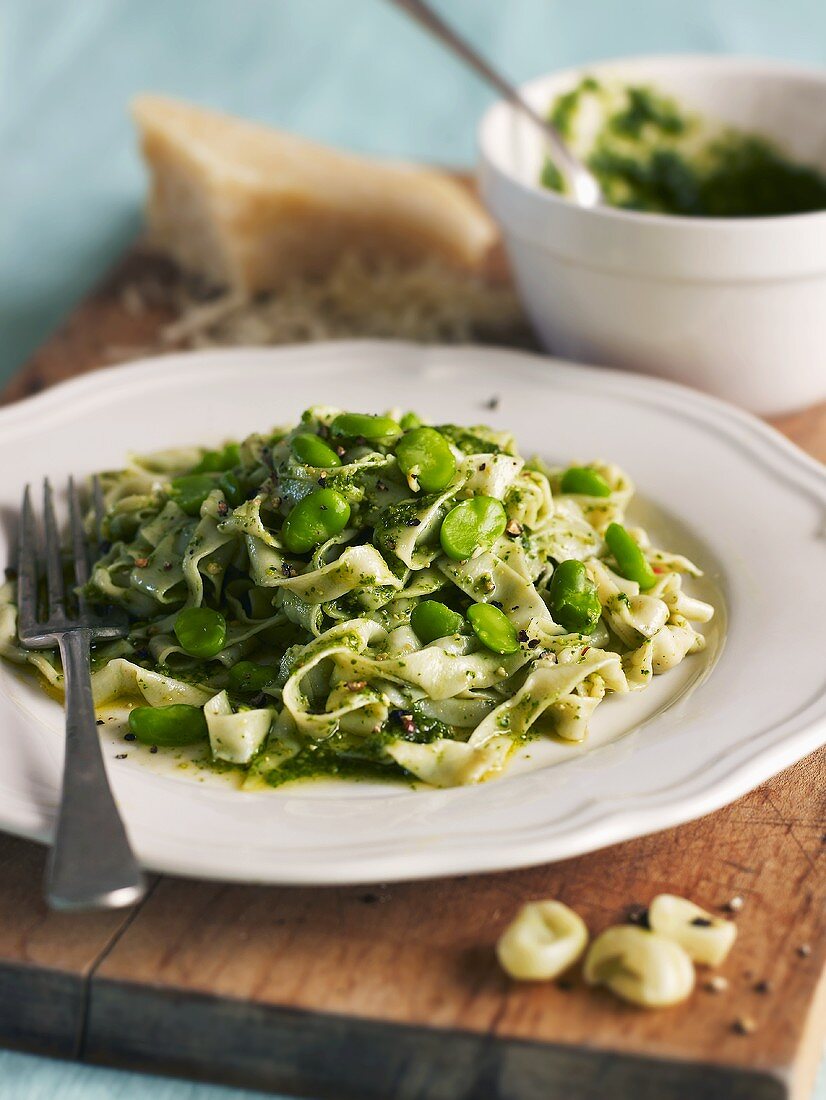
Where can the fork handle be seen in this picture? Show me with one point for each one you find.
(91, 863)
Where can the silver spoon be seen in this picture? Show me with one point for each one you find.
(582, 184)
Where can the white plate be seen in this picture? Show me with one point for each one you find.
(716, 484)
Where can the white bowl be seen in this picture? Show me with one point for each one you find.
(736, 307)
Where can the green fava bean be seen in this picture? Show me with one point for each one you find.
(410, 420)
(585, 480)
(375, 429)
(472, 525)
(315, 519)
(218, 461)
(201, 631)
(431, 620)
(171, 726)
(493, 628)
(312, 451)
(631, 562)
(425, 455)
(573, 597)
(230, 485)
(248, 676)
(190, 491)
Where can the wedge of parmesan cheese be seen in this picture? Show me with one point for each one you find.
(250, 207)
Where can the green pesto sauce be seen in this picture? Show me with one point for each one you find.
(650, 156)
(471, 441)
(313, 762)
(325, 763)
(332, 759)
(336, 758)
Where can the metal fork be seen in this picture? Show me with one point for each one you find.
(91, 864)
(585, 188)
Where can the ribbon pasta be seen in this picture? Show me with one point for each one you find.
(347, 680)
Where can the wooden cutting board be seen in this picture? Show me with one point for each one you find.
(392, 992)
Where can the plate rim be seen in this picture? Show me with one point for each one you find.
(134, 369)
(789, 739)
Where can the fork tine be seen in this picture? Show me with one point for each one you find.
(97, 502)
(114, 620)
(80, 546)
(27, 567)
(54, 565)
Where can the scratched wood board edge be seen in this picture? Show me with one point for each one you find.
(83, 350)
(45, 957)
(42, 1010)
(346, 1058)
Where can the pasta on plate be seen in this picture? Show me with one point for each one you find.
(371, 595)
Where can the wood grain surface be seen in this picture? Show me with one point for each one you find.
(393, 992)
(421, 956)
(46, 958)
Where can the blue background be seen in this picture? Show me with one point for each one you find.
(352, 72)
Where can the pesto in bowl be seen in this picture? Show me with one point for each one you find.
(650, 155)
